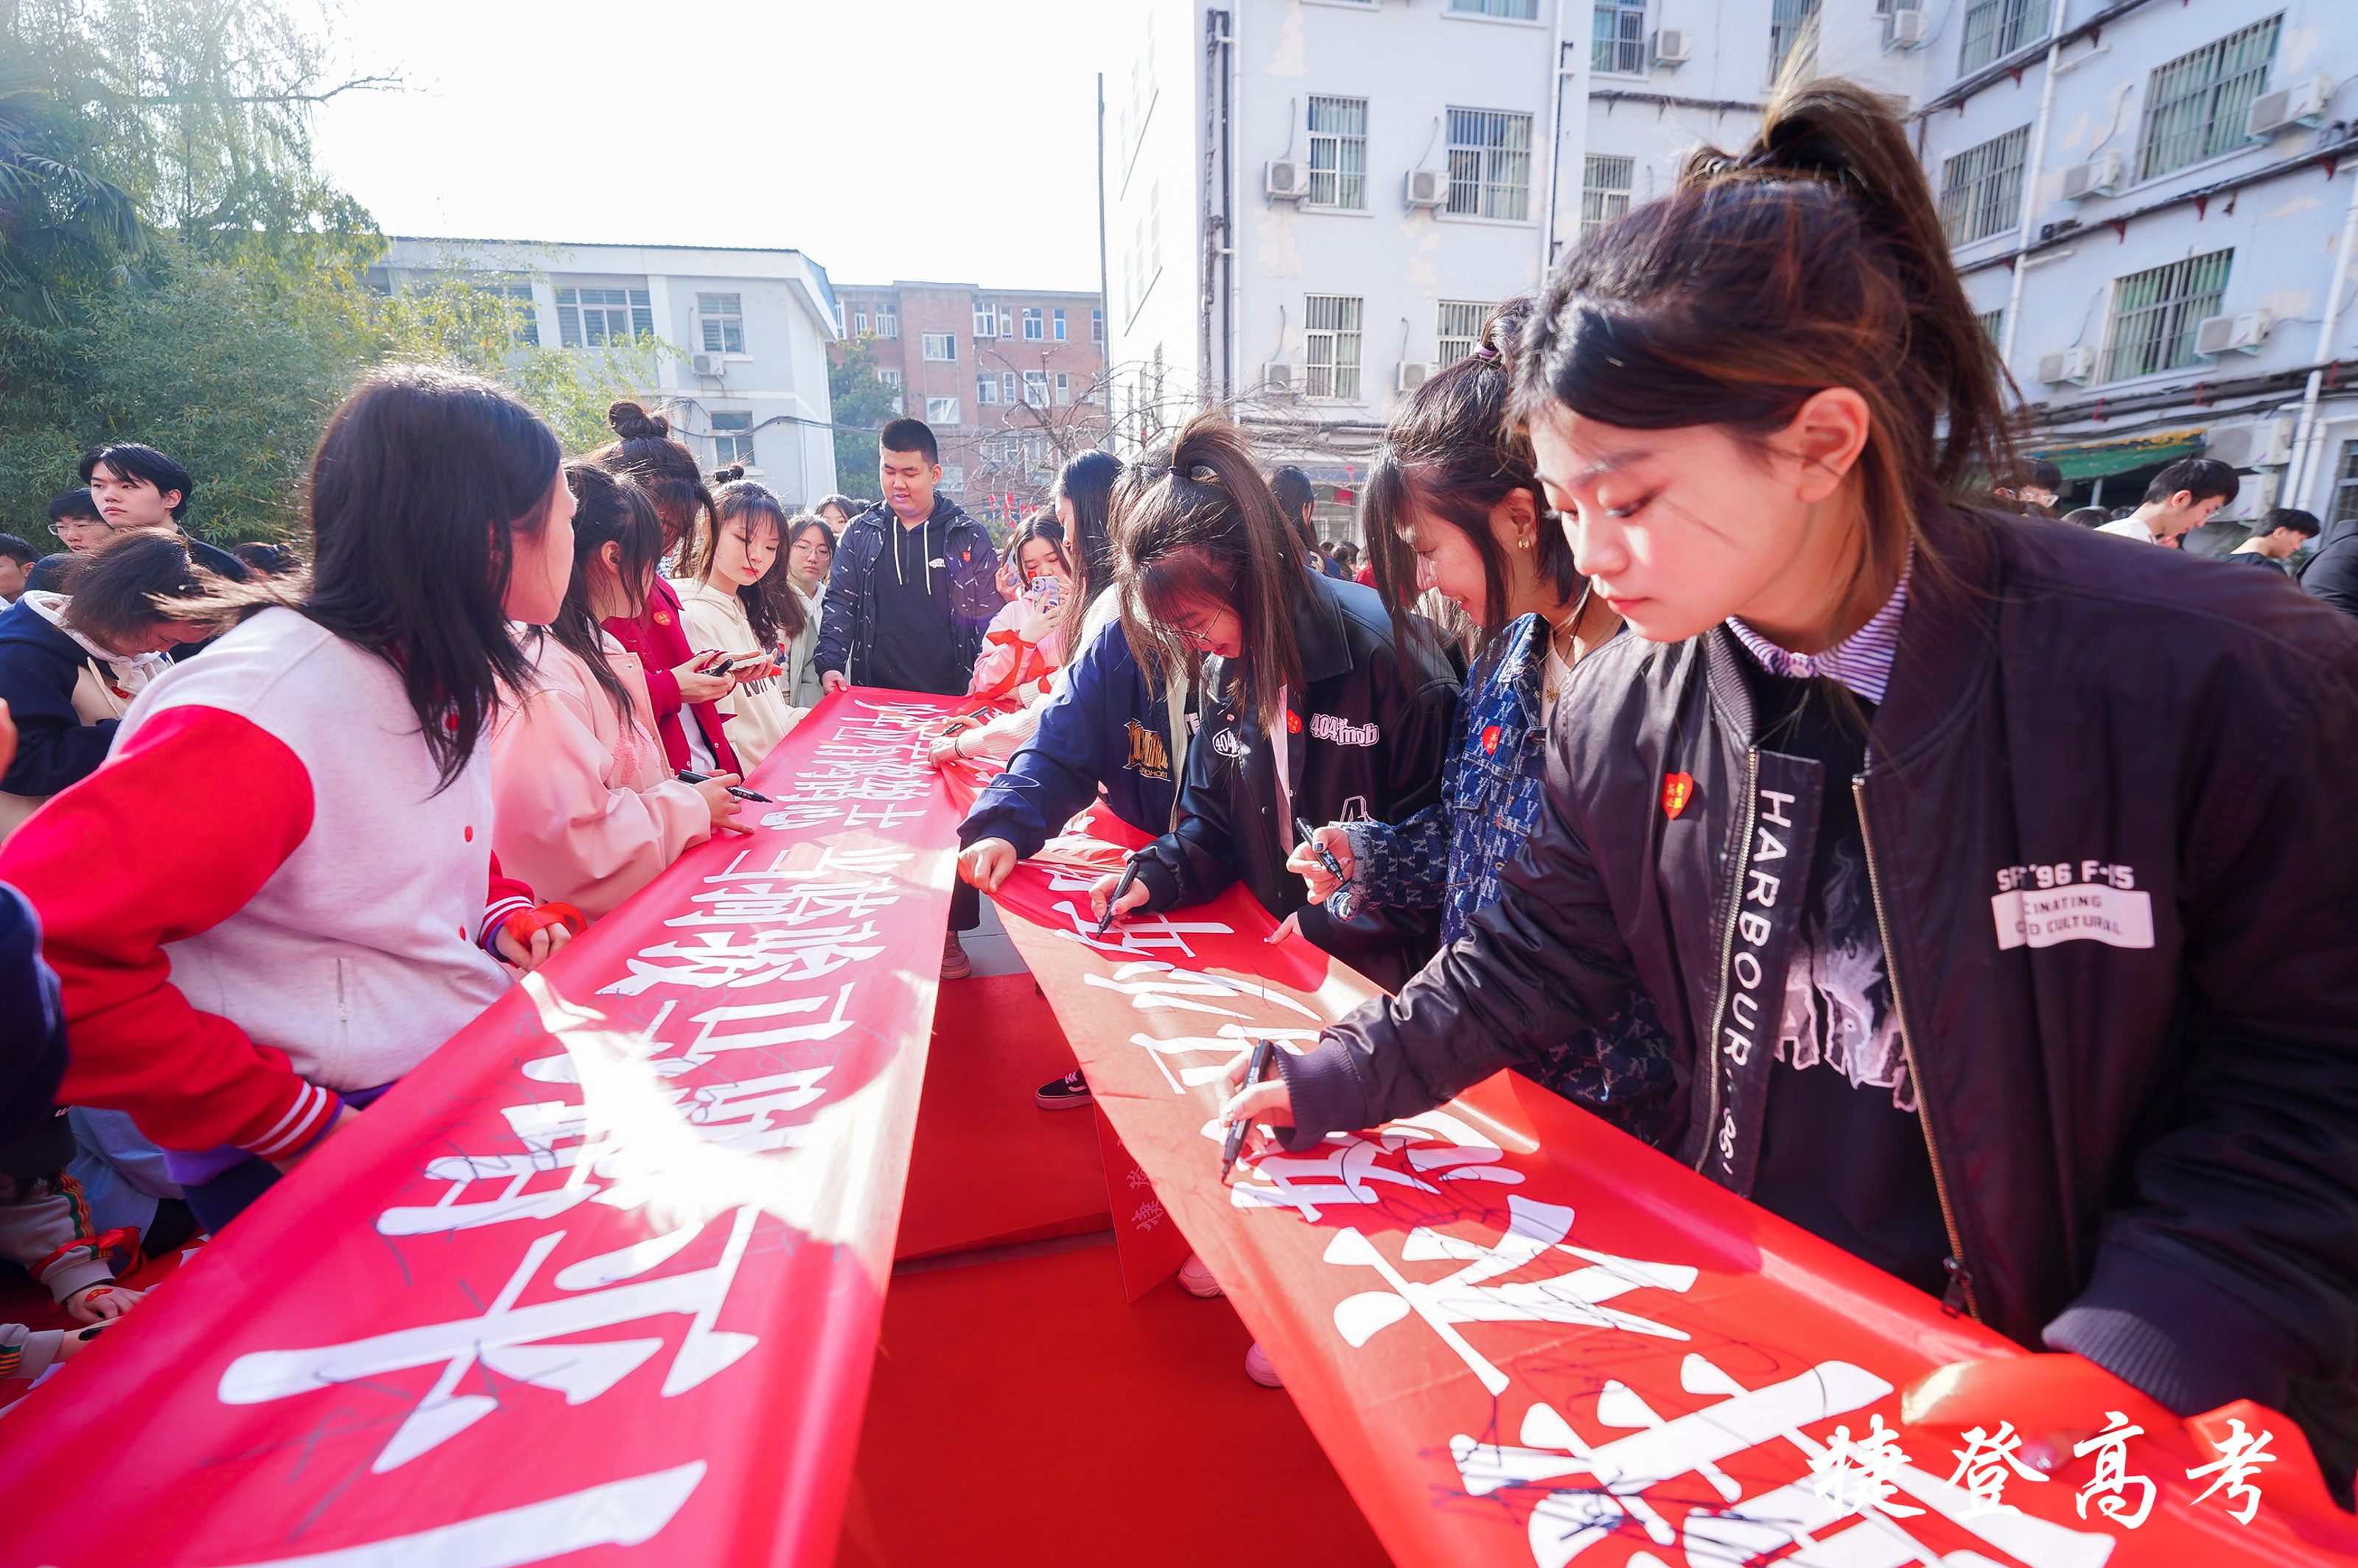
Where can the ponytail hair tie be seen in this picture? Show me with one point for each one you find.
(1487, 352)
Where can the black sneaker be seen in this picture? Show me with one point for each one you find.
(1068, 1093)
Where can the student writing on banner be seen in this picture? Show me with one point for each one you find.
(349, 915)
(1311, 707)
(1454, 507)
(586, 806)
(2015, 966)
(683, 690)
(1108, 731)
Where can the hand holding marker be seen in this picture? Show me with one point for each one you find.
(1342, 902)
(689, 775)
(1255, 1070)
(1128, 875)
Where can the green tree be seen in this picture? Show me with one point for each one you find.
(862, 402)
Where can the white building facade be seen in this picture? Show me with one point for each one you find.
(739, 337)
(1311, 203)
(2152, 205)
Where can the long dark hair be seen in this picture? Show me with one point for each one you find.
(663, 467)
(1088, 482)
(608, 509)
(1043, 526)
(133, 580)
(420, 487)
(772, 608)
(1194, 520)
(1813, 258)
(1453, 453)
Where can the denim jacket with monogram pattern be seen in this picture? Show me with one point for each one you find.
(1452, 854)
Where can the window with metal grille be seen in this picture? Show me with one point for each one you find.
(732, 438)
(523, 321)
(1032, 331)
(888, 320)
(1992, 323)
(1618, 36)
(986, 321)
(2345, 485)
(1490, 164)
(720, 319)
(1995, 29)
(1605, 189)
(1331, 354)
(1513, 10)
(1338, 152)
(2155, 313)
(1981, 187)
(985, 389)
(1459, 331)
(938, 346)
(941, 411)
(596, 317)
(1789, 21)
(2196, 105)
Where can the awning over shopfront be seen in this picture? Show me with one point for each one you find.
(2092, 459)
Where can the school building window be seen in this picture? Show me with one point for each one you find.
(1513, 10)
(1059, 333)
(732, 438)
(1064, 389)
(720, 322)
(1035, 389)
(1995, 29)
(1006, 392)
(986, 321)
(2155, 314)
(595, 317)
(1981, 187)
(1789, 22)
(1331, 355)
(1490, 164)
(523, 323)
(1605, 186)
(1031, 328)
(888, 319)
(1097, 326)
(1338, 152)
(1618, 36)
(985, 389)
(941, 411)
(2195, 106)
(1459, 331)
(2345, 485)
(942, 346)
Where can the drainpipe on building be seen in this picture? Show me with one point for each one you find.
(1556, 160)
(1233, 329)
(2307, 433)
(2030, 172)
(1105, 302)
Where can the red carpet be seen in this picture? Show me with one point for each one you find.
(989, 1167)
(1022, 1414)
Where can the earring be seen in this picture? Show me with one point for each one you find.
(1524, 543)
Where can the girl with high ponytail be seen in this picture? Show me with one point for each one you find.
(682, 690)
(1980, 868)
(1313, 709)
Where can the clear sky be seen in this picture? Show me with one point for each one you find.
(939, 139)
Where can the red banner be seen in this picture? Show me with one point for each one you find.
(1524, 1336)
(605, 1272)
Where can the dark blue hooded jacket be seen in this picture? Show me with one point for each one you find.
(38, 665)
(32, 1022)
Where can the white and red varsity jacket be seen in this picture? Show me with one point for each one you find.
(261, 899)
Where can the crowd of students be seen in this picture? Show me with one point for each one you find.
(1696, 738)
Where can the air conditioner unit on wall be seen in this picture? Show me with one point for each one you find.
(1671, 48)
(2075, 365)
(2246, 333)
(1907, 29)
(2100, 176)
(1413, 374)
(1277, 376)
(2299, 103)
(1288, 179)
(2266, 444)
(708, 364)
(1425, 187)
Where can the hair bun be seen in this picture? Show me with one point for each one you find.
(729, 475)
(632, 423)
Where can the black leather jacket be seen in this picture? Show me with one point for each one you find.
(2143, 1115)
(1366, 736)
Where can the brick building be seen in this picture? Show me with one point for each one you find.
(1010, 379)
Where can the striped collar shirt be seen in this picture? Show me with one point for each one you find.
(1861, 661)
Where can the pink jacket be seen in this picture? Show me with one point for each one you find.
(583, 799)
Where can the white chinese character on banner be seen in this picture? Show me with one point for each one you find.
(1152, 985)
(1533, 1230)
(794, 903)
(513, 1341)
(717, 958)
(1353, 1168)
(1762, 1527)
(1138, 934)
(1983, 1463)
(2110, 1447)
(1854, 1474)
(1224, 1045)
(2240, 1458)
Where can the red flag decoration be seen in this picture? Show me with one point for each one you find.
(1523, 1336)
(605, 1271)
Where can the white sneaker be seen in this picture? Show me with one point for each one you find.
(1196, 1280)
(1258, 1369)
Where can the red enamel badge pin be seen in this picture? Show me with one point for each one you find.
(1293, 722)
(1677, 790)
(1490, 740)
